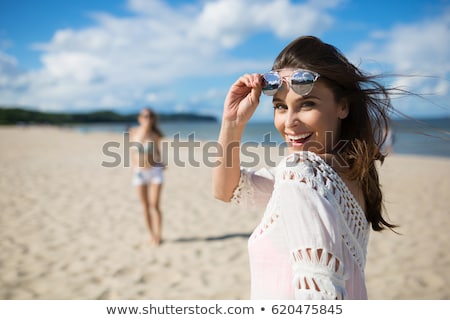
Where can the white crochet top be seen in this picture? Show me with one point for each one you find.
(312, 240)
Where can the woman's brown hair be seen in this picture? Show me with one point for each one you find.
(155, 122)
(364, 130)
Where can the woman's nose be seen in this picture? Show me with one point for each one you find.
(291, 119)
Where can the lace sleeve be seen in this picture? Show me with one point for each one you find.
(254, 188)
(312, 230)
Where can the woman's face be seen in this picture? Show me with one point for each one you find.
(310, 122)
(145, 117)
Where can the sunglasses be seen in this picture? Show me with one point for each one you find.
(301, 81)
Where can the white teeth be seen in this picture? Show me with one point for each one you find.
(299, 137)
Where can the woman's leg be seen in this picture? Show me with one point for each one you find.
(155, 212)
(143, 196)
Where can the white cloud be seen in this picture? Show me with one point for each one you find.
(132, 60)
(420, 52)
(8, 68)
(230, 21)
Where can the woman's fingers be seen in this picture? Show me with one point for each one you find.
(243, 95)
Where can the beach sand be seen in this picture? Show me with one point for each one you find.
(71, 228)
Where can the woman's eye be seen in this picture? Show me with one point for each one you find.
(280, 107)
(308, 104)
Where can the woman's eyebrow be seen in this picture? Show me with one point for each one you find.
(277, 100)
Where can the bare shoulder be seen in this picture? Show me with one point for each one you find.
(132, 131)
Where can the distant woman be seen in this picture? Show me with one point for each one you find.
(148, 169)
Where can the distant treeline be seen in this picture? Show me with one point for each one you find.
(24, 116)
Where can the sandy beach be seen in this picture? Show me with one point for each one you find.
(72, 228)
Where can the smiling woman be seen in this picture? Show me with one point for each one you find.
(323, 198)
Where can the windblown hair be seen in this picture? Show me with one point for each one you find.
(155, 123)
(367, 124)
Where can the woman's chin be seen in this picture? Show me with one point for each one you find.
(299, 147)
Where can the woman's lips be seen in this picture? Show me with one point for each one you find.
(299, 139)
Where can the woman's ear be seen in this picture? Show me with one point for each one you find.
(343, 109)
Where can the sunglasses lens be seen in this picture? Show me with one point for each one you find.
(302, 82)
(271, 83)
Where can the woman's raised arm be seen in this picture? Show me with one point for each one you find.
(240, 104)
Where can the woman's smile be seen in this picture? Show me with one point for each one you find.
(298, 140)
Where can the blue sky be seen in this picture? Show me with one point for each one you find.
(180, 56)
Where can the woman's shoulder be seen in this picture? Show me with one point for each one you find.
(309, 167)
(325, 173)
(133, 130)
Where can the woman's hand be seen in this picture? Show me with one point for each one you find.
(240, 103)
(242, 99)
